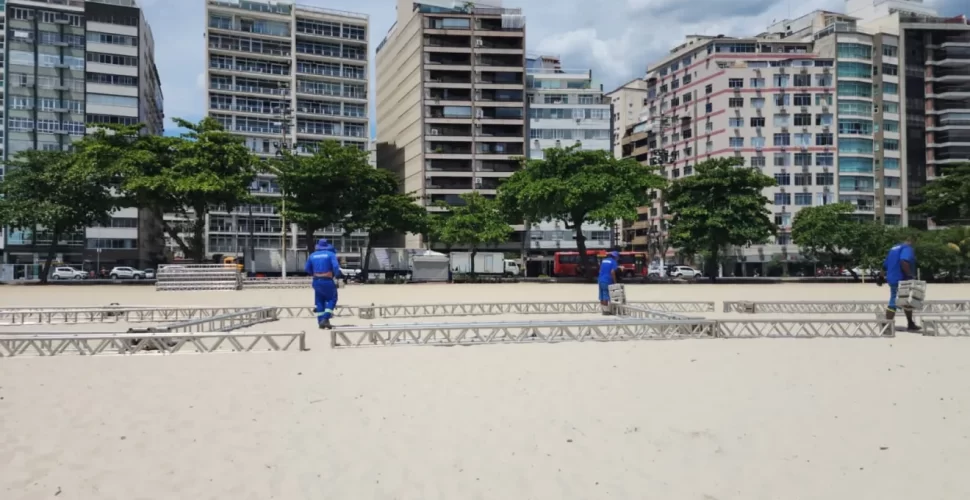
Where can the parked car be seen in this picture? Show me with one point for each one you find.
(67, 273)
(149, 274)
(684, 272)
(126, 273)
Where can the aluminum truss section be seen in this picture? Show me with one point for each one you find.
(221, 323)
(140, 314)
(268, 283)
(496, 308)
(89, 344)
(753, 328)
(198, 277)
(946, 326)
(844, 307)
(640, 312)
(525, 332)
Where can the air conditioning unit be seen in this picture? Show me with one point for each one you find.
(435, 131)
(478, 42)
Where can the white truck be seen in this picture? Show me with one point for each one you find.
(493, 263)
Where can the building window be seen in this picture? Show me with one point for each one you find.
(890, 144)
(736, 142)
(758, 142)
(803, 199)
(757, 121)
(803, 160)
(736, 102)
(708, 88)
(112, 39)
(890, 69)
(854, 51)
(757, 83)
(783, 220)
(803, 80)
(97, 57)
(803, 120)
(824, 179)
(779, 120)
(780, 80)
(890, 126)
(782, 198)
(803, 179)
(782, 99)
(854, 89)
(112, 100)
(112, 243)
(824, 139)
(735, 83)
(708, 108)
(824, 159)
(803, 99)
(757, 102)
(781, 159)
(890, 51)
(824, 119)
(782, 140)
(735, 122)
(757, 161)
(104, 78)
(890, 88)
(783, 179)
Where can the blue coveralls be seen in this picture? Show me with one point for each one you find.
(323, 261)
(893, 265)
(605, 279)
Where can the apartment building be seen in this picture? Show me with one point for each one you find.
(566, 108)
(3, 120)
(283, 75)
(626, 105)
(71, 65)
(451, 100)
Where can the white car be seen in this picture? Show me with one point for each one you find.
(67, 273)
(126, 273)
(684, 272)
(149, 274)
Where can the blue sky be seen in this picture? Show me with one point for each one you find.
(614, 38)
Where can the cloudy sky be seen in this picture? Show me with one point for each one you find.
(615, 38)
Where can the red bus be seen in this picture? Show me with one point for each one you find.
(631, 263)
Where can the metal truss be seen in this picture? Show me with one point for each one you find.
(220, 323)
(804, 328)
(843, 307)
(946, 326)
(89, 344)
(525, 332)
(111, 314)
(268, 283)
(640, 312)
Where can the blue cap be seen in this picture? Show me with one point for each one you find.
(614, 253)
(323, 244)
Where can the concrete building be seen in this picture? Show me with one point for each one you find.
(816, 103)
(71, 65)
(626, 104)
(283, 75)
(451, 110)
(566, 108)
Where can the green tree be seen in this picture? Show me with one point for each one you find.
(54, 191)
(721, 204)
(320, 190)
(476, 223)
(825, 232)
(189, 176)
(578, 186)
(946, 199)
(382, 210)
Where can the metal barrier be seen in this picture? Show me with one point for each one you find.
(89, 344)
(843, 307)
(198, 277)
(524, 332)
(946, 326)
(270, 283)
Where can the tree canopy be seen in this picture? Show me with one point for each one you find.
(578, 186)
(56, 193)
(825, 232)
(322, 189)
(946, 199)
(477, 222)
(721, 204)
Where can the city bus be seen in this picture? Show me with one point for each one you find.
(631, 263)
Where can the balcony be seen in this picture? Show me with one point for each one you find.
(496, 26)
(449, 199)
(500, 96)
(233, 44)
(448, 44)
(504, 79)
(438, 183)
(442, 78)
(441, 132)
(497, 131)
(454, 166)
(497, 166)
(502, 149)
(495, 45)
(256, 28)
(489, 183)
(434, 147)
(512, 62)
(249, 89)
(514, 114)
(455, 95)
(445, 61)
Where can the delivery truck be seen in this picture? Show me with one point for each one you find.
(489, 263)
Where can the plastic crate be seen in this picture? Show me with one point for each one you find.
(911, 294)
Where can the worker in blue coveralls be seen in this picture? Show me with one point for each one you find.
(900, 265)
(607, 277)
(325, 269)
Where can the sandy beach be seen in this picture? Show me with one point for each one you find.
(694, 419)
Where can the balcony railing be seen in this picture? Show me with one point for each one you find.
(238, 48)
(247, 88)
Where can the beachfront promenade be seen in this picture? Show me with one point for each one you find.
(879, 417)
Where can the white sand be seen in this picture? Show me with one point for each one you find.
(706, 419)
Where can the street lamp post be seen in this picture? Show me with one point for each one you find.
(285, 116)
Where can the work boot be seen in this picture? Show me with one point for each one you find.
(325, 325)
(890, 314)
(910, 324)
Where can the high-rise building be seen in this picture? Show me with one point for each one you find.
(566, 108)
(816, 102)
(451, 100)
(71, 65)
(283, 75)
(626, 103)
